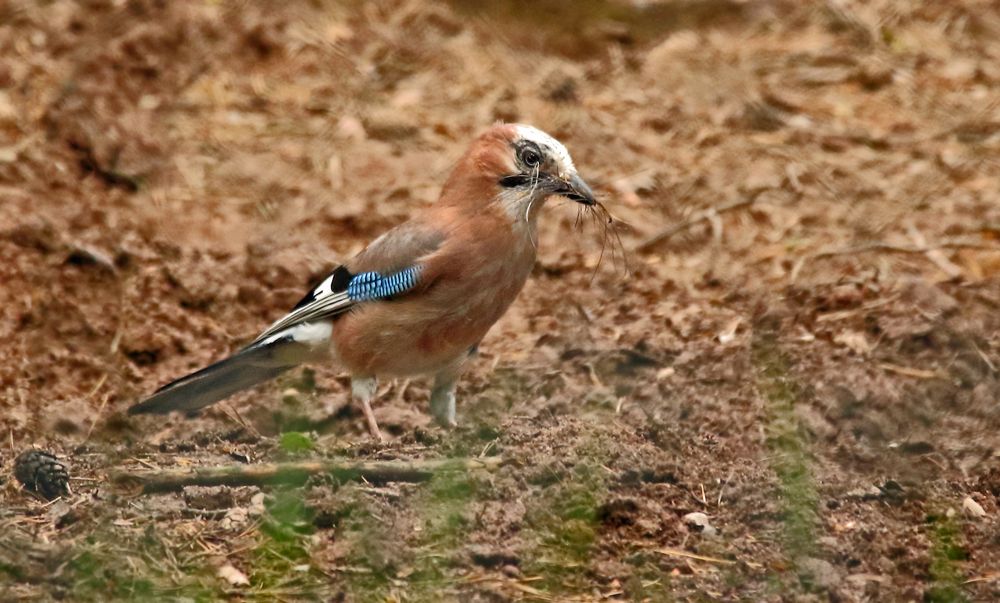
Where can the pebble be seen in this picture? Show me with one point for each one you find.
(698, 522)
(511, 571)
(236, 517)
(290, 396)
(972, 508)
(256, 504)
(232, 575)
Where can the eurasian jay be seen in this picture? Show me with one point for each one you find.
(420, 298)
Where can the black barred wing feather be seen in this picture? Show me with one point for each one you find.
(373, 285)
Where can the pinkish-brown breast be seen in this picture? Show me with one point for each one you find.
(472, 280)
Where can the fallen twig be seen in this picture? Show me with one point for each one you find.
(984, 578)
(911, 249)
(699, 217)
(686, 555)
(924, 250)
(934, 255)
(910, 371)
(376, 472)
(100, 411)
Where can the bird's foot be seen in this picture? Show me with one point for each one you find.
(372, 423)
(443, 406)
(363, 390)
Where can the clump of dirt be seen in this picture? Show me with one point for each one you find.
(799, 344)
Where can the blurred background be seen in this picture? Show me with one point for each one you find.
(773, 377)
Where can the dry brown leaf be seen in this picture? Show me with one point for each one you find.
(728, 334)
(855, 341)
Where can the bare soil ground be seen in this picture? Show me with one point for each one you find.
(815, 371)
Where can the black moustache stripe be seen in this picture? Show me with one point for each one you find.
(515, 180)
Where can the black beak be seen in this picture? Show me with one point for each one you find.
(575, 189)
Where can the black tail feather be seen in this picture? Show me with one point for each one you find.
(246, 368)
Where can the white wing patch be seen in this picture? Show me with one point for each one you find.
(322, 307)
(310, 333)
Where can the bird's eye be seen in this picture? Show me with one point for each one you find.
(530, 157)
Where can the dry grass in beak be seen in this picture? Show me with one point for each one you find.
(612, 226)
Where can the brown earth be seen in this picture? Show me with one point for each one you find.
(815, 371)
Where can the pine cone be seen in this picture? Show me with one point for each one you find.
(42, 473)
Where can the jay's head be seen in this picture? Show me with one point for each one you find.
(523, 165)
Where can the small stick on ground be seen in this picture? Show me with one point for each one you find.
(100, 410)
(97, 415)
(702, 216)
(911, 372)
(671, 552)
(890, 248)
(934, 255)
(375, 472)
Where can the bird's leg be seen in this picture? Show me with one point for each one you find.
(443, 393)
(363, 391)
(443, 400)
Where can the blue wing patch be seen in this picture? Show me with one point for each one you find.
(367, 286)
